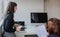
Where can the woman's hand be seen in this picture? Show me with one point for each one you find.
(17, 29)
(16, 26)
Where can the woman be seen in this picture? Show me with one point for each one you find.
(9, 21)
(53, 27)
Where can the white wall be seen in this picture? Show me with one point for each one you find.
(25, 7)
(52, 7)
(1, 9)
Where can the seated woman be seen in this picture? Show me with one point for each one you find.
(53, 27)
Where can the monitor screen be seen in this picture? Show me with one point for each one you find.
(39, 17)
(22, 23)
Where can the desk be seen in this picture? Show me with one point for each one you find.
(31, 30)
(24, 34)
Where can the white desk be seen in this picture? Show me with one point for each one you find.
(40, 31)
(23, 33)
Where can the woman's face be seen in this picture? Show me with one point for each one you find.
(15, 8)
(50, 24)
(50, 27)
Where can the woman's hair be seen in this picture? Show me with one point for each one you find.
(10, 7)
(56, 24)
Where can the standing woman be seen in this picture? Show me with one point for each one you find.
(9, 31)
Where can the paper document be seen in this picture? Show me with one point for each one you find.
(41, 31)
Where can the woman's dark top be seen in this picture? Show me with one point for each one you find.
(9, 23)
(58, 35)
(52, 35)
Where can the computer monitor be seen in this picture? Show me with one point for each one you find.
(39, 17)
